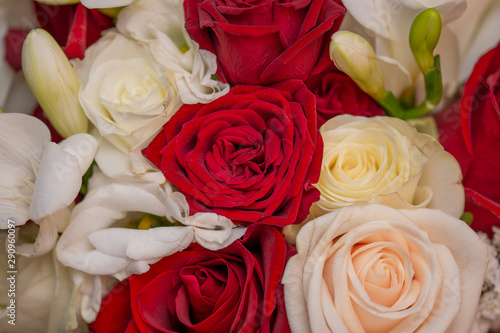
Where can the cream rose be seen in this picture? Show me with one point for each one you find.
(372, 268)
(385, 160)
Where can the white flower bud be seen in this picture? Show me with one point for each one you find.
(353, 55)
(54, 83)
(58, 2)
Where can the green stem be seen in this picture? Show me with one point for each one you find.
(433, 94)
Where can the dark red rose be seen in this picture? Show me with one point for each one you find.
(470, 130)
(264, 41)
(336, 93)
(251, 155)
(74, 27)
(236, 289)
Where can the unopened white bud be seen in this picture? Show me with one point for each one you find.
(54, 83)
(353, 55)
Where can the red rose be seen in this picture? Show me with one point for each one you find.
(264, 41)
(336, 93)
(477, 145)
(74, 27)
(251, 155)
(236, 289)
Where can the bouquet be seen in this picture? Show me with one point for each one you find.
(249, 166)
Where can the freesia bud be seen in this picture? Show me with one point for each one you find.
(54, 83)
(353, 55)
(424, 36)
(58, 2)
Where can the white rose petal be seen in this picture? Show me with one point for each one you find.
(127, 95)
(160, 24)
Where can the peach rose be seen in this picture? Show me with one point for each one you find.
(372, 268)
(385, 160)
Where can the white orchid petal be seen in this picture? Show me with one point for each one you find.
(45, 241)
(370, 14)
(477, 33)
(83, 147)
(397, 77)
(442, 173)
(213, 231)
(107, 204)
(113, 162)
(60, 174)
(92, 289)
(141, 244)
(175, 203)
(21, 147)
(113, 241)
(47, 234)
(161, 242)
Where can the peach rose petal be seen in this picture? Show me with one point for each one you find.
(372, 268)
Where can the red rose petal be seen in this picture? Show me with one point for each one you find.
(77, 38)
(250, 155)
(468, 102)
(115, 313)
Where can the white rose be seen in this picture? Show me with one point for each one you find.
(160, 24)
(385, 160)
(123, 91)
(371, 268)
(128, 96)
(386, 24)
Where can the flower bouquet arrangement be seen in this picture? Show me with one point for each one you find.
(250, 166)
